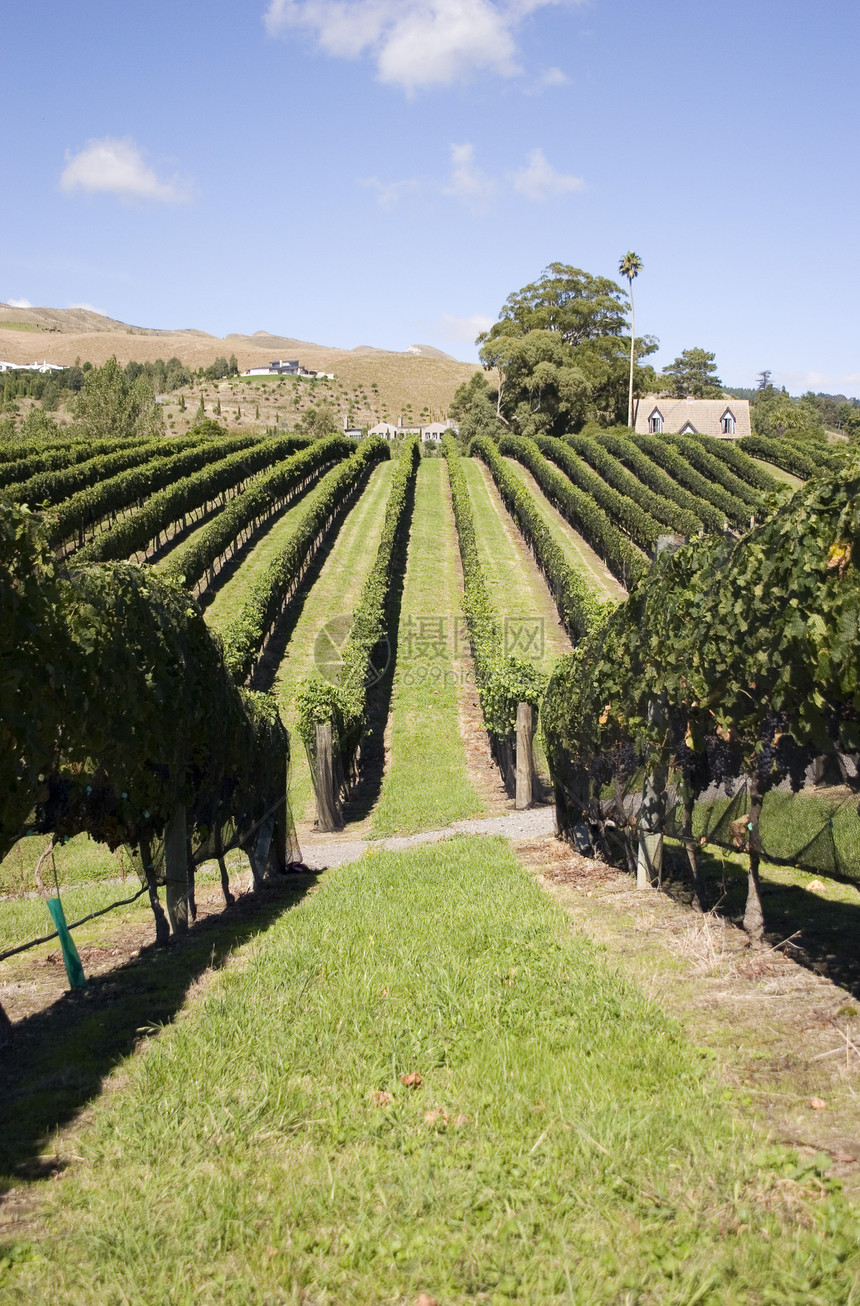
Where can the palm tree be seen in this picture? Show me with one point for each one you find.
(630, 266)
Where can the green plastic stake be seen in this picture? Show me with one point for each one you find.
(71, 960)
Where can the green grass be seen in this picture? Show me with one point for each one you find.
(227, 600)
(566, 1144)
(333, 594)
(427, 786)
(579, 554)
(28, 918)
(779, 474)
(516, 586)
(21, 326)
(79, 861)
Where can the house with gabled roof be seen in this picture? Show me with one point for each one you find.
(726, 419)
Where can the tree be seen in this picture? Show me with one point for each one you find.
(763, 380)
(693, 374)
(774, 413)
(319, 422)
(630, 266)
(560, 353)
(110, 405)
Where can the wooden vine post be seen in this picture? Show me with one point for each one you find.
(329, 814)
(525, 760)
(176, 870)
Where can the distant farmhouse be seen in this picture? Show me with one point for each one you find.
(285, 367)
(31, 367)
(432, 431)
(727, 419)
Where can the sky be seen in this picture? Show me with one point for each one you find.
(387, 172)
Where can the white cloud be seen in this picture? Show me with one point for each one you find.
(800, 382)
(467, 182)
(549, 78)
(117, 167)
(19, 303)
(415, 43)
(538, 180)
(389, 193)
(464, 328)
(90, 308)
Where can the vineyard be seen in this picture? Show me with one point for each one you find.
(232, 661)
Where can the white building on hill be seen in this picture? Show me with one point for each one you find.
(726, 419)
(432, 431)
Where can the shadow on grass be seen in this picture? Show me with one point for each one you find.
(228, 569)
(824, 934)
(365, 793)
(273, 651)
(56, 1060)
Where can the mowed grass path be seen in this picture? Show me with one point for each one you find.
(426, 786)
(333, 594)
(516, 585)
(561, 1141)
(226, 600)
(579, 554)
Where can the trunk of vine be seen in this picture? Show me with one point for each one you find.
(700, 892)
(222, 867)
(176, 871)
(754, 915)
(162, 929)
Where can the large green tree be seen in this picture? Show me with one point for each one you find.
(559, 354)
(112, 405)
(693, 375)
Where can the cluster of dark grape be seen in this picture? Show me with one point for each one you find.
(724, 761)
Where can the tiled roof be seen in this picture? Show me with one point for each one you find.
(703, 415)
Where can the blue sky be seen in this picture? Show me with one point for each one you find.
(386, 172)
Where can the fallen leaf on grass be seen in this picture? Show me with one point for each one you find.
(815, 885)
(426, 1300)
(817, 1104)
(412, 1080)
(381, 1098)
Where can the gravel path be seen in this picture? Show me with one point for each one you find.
(321, 850)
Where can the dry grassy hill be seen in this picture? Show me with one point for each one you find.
(369, 383)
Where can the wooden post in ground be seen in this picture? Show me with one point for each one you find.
(329, 815)
(525, 764)
(649, 862)
(176, 871)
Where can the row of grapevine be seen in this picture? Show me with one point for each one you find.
(667, 456)
(745, 468)
(247, 512)
(265, 599)
(503, 681)
(622, 558)
(578, 606)
(713, 466)
(53, 486)
(673, 517)
(199, 490)
(780, 453)
(118, 718)
(734, 657)
(623, 512)
(22, 468)
(84, 512)
(657, 479)
(344, 704)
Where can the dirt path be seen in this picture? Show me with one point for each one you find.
(787, 1040)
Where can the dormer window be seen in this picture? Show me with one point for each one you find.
(655, 422)
(687, 429)
(727, 423)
